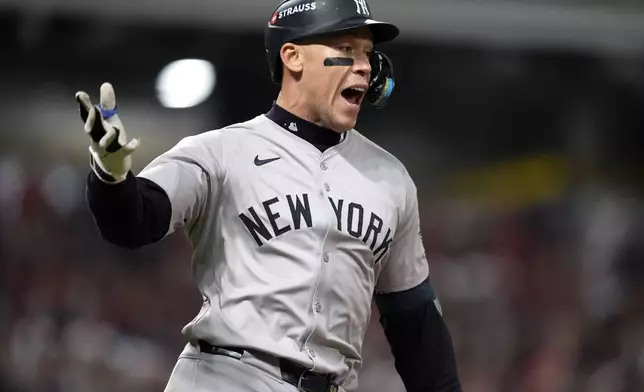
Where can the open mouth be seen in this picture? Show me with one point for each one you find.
(353, 95)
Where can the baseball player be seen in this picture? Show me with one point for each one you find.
(296, 219)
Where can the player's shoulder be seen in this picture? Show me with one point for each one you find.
(232, 134)
(210, 146)
(378, 156)
(229, 131)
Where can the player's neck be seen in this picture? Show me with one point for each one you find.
(295, 105)
(321, 138)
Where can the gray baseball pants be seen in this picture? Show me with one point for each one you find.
(202, 372)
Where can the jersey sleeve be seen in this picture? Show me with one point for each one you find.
(190, 174)
(406, 265)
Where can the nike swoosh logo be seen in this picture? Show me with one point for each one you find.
(260, 162)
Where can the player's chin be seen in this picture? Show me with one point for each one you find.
(346, 116)
(343, 123)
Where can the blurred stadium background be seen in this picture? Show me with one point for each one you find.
(520, 120)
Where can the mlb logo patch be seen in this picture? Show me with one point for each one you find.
(273, 18)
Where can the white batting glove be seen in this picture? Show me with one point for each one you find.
(109, 148)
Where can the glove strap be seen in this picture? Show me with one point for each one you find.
(107, 113)
(100, 173)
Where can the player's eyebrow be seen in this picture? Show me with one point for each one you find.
(343, 40)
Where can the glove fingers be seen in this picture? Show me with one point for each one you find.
(110, 136)
(114, 122)
(110, 150)
(131, 146)
(84, 103)
(89, 121)
(109, 111)
(92, 127)
(108, 97)
(125, 151)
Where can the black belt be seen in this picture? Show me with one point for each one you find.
(292, 373)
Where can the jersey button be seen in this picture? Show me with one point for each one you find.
(327, 187)
(323, 166)
(326, 258)
(318, 306)
(310, 351)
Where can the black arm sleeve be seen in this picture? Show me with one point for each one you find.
(130, 214)
(419, 339)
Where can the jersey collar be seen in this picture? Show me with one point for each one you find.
(322, 138)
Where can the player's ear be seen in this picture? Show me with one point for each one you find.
(291, 55)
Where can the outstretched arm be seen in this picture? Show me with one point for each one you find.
(130, 214)
(132, 211)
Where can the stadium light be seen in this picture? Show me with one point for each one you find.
(185, 83)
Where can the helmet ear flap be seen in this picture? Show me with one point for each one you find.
(274, 62)
(382, 81)
(277, 70)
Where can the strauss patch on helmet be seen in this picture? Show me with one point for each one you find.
(297, 8)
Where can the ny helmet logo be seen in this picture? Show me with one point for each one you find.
(361, 7)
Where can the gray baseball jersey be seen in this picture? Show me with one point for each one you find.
(290, 243)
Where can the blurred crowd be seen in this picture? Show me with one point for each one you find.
(80, 315)
(540, 297)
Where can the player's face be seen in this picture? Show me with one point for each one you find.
(336, 92)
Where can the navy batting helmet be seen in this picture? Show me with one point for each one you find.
(295, 20)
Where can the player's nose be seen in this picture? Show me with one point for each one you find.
(362, 66)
